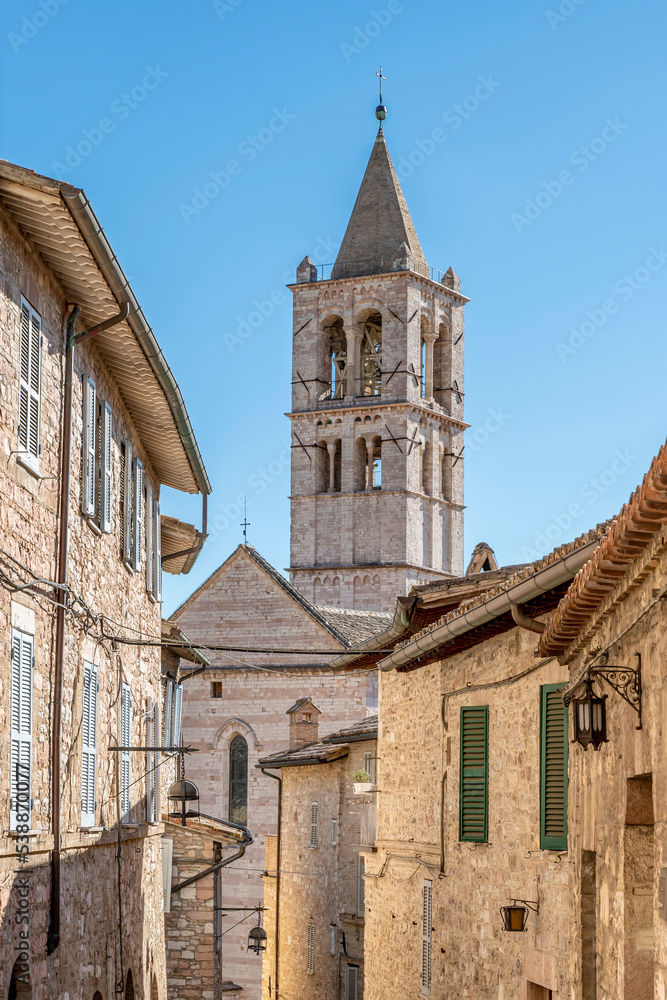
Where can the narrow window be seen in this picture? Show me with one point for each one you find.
(427, 943)
(89, 447)
(238, 780)
(334, 832)
(127, 501)
(176, 715)
(474, 774)
(125, 733)
(137, 513)
(105, 468)
(151, 761)
(167, 854)
(20, 803)
(150, 564)
(30, 379)
(351, 982)
(89, 745)
(371, 357)
(157, 551)
(422, 381)
(360, 886)
(168, 698)
(332, 939)
(553, 769)
(311, 948)
(314, 824)
(216, 689)
(368, 764)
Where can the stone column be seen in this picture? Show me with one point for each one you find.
(370, 448)
(352, 388)
(429, 341)
(331, 448)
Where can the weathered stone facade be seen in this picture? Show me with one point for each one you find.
(321, 881)
(93, 935)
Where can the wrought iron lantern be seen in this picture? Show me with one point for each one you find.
(590, 717)
(257, 939)
(185, 796)
(516, 914)
(514, 917)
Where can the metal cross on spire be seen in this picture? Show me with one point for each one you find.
(381, 79)
(245, 523)
(381, 111)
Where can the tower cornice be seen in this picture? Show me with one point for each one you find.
(343, 407)
(420, 279)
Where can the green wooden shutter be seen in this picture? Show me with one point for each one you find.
(474, 776)
(553, 768)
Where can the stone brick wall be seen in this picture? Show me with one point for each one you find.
(318, 886)
(418, 759)
(88, 957)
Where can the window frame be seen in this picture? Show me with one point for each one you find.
(351, 982)
(237, 738)
(427, 937)
(310, 962)
(21, 735)
(89, 711)
(361, 887)
(314, 825)
(125, 738)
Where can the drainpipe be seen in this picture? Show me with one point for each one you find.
(279, 779)
(523, 621)
(61, 579)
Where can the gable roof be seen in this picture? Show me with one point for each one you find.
(380, 222)
(60, 223)
(345, 626)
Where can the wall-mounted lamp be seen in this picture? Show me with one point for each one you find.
(257, 939)
(590, 709)
(516, 915)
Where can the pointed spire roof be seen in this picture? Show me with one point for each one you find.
(379, 224)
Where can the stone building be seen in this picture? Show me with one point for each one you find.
(234, 712)
(93, 424)
(377, 410)
(314, 877)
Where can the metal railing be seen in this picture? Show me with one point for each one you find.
(373, 265)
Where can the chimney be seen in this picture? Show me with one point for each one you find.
(303, 723)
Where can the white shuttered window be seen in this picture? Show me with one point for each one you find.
(20, 792)
(167, 855)
(150, 537)
(176, 717)
(127, 502)
(105, 468)
(151, 762)
(89, 447)
(427, 917)
(168, 698)
(125, 734)
(137, 513)
(89, 745)
(157, 552)
(30, 373)
(351, 982)
(314, 824)
(311, 948)
(361, 899)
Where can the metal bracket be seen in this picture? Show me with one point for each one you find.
(624, 681)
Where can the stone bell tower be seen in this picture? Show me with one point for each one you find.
(377, 410)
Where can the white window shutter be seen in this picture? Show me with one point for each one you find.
(105, 469)
(157, 551)
(89, 446)
(158, 762)
(127, 503)
(21, 730)
(151, 761)
(150, 579)
(125, 735)
(314, 824)
(427, 917)
(334, 832)
(332, 940)
(89, 745)
(176, 718)
(166, 736)
(167, 855)
(30, 381)
(138, 513)
(311, 947)
(361, 900)
(351, 982)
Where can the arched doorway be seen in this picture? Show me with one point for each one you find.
(129, 986)
(19, 984)
(97, 996)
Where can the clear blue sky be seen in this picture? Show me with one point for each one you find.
(170, 92)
